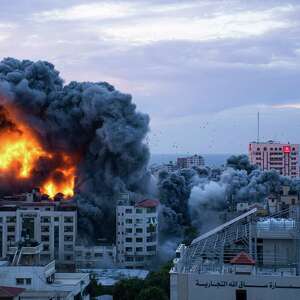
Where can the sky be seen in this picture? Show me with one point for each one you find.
(201, 69)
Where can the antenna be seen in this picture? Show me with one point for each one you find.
(258, 126)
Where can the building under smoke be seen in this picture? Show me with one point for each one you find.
(87, 135)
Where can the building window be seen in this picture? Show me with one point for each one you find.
(139, 249)
(128, 230)
(139, 258)
(68, 257)
(128, 249)
(150, 239)
(128, 240)
(128, 221)
(68, 247)
(98, 254)
(139, 221)
(45, 238)
(68, 229)
(68, 238)
(28, 281)
(139, 240)
(11, 219)
(151, 210)
(10, 228)
(56, 219)
(139, 210)
(45, 229)
(128, 211)
(19, 281)
(151, 228)
(10, 238)
(151, 248)
(139, 230)
(129, 258)
(45, 219)
(45, 247)
(68, 219)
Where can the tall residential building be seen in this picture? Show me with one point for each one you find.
(51, 224)
(136, 231)
(283, 158)
(190, 161)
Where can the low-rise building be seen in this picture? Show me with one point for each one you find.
(247, 258)
(284, 200)
(38, 278)
(92, 257)
(136, 231)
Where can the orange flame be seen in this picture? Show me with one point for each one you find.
(20, 151)
(61, 180)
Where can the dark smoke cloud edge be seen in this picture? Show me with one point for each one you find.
(92, 120)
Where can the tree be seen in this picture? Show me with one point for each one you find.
(152, 293)
(128, 289)
(160, 279)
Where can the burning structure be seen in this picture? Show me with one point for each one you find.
(82, 139)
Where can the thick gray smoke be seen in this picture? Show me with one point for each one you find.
(97, 123)
(239, 182)
(199, 199)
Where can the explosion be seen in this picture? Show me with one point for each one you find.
(21, 151)
(82, 136)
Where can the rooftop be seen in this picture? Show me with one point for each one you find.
(7, 291)
(147, 203)
(242, 259)
(109, 277)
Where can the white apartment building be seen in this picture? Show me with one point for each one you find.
(51, 224)
(283, 158)
(103, 256)
(39, 279)
(137, 232)
(190, 161)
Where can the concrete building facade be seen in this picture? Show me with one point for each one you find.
(190, 161)
(38, 279)
(95, 256)
(284, 158)
(51, 224)
(136, 232)
(247, 258)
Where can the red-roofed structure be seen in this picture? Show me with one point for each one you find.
(8, 292)
(147, 203)
(243, 259)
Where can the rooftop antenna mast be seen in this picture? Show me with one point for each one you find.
(258, 127)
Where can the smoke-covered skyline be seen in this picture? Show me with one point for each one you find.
(199, 68)
(93, 123)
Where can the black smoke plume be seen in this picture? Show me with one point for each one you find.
(92, 120)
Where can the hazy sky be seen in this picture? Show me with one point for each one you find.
(201, 69)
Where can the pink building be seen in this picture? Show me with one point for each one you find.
(283, 158)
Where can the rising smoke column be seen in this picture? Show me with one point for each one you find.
(92, 122)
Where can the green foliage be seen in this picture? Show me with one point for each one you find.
(152, 293)
(155, 286)
(128, 289)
